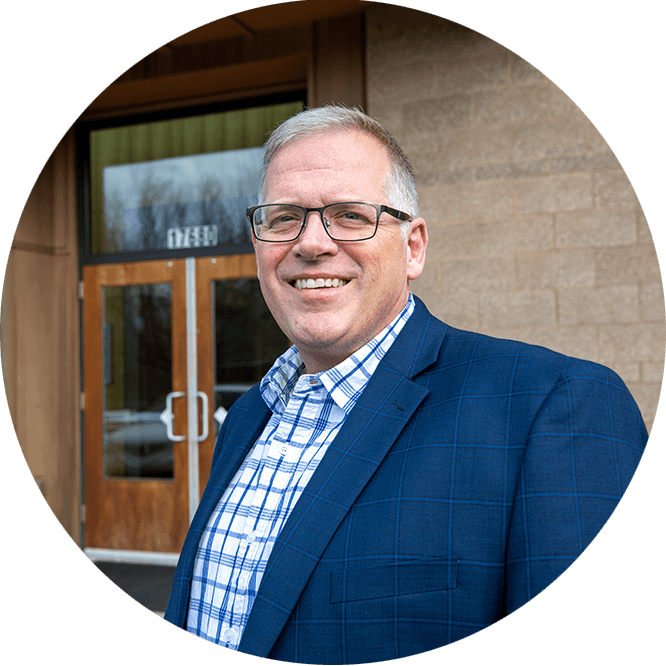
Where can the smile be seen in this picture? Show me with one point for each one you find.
(319, 283)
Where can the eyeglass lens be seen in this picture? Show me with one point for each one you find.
(346, 221)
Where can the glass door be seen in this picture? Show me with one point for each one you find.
(135, 462)
(168, 347)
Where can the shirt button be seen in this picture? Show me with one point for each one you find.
(229, 635)
(251, 537)
(283, 448)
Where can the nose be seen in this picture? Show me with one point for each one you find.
(314, 241)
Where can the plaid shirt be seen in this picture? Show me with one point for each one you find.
(308, 411)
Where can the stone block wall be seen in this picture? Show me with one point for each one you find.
(536, 233)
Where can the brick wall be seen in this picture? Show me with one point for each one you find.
(535, 231)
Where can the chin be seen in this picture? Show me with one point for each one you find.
(320, 339)
(317, 341)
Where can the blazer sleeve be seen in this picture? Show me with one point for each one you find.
(583, 448)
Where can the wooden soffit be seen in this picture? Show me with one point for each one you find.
(233, 81)
(272, 17)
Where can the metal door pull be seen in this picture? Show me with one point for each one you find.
(167, 416)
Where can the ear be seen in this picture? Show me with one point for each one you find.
(417, 241)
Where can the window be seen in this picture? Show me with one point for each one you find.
(178, 185)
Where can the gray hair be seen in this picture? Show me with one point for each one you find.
(400, 185)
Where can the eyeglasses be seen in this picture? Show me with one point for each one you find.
(348, 221)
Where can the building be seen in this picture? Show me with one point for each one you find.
(122, 316)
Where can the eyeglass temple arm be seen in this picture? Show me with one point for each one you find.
(405, 217)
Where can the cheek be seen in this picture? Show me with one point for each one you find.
(266, 264)
(263, 275)
(389, 265)
(268, 260)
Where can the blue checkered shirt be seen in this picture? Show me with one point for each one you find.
(308, 411)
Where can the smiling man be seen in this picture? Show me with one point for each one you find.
(329, 323)
(392, 484)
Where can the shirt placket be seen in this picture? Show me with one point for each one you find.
(239, 578)
(272, 484)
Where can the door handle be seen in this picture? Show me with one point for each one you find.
(204, 416)
(167, 416)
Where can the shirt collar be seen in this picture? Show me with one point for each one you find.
(344, 382)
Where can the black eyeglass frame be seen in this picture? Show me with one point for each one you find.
(380, 208)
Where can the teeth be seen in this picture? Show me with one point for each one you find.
(319, 283)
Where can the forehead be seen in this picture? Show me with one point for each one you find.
(349, 161)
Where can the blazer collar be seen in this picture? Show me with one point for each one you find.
(418, 344)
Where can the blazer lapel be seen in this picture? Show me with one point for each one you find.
(385, 406)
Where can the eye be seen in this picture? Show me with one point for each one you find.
(351, 215)
(282, 217)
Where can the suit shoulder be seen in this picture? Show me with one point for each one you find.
(248, 398)
(487, 351)
(464, 343)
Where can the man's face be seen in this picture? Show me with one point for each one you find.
(328, 324)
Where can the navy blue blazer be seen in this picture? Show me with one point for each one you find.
(470, 474)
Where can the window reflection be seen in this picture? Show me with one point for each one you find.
(137, 379)
(179, 183)
(181, 202)
(247, 340)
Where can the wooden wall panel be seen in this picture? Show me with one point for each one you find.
(338, 62)
(40, 335)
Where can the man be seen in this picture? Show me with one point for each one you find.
(393, 484)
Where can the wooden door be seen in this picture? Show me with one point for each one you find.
(136, 478)
(157, 336)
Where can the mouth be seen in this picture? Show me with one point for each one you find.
(318, 283)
